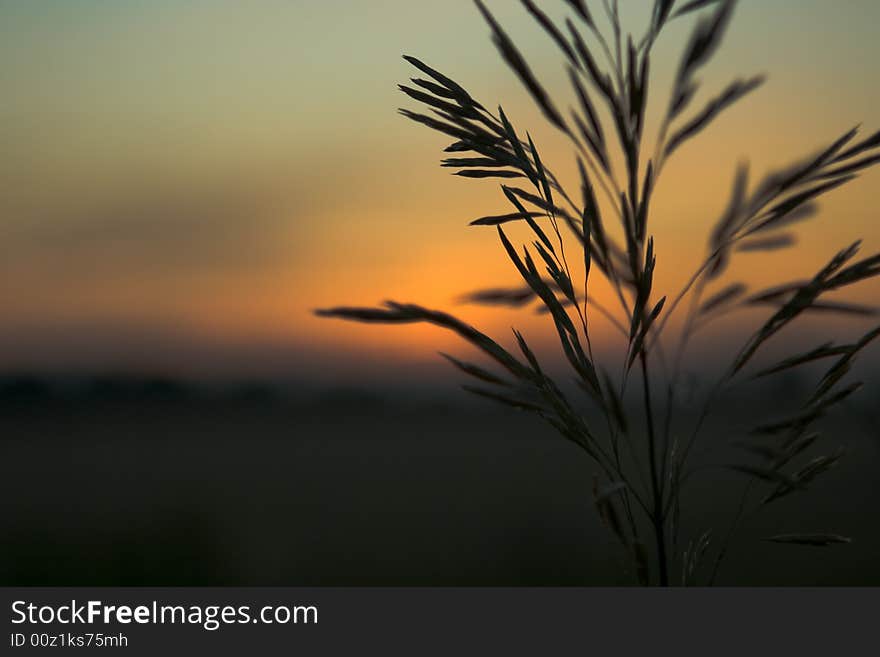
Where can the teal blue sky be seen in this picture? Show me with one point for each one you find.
(212, 170)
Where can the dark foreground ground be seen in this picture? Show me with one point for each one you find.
(154, 485)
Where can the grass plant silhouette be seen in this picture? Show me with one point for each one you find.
(641, 492)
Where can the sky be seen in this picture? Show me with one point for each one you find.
(181, 183)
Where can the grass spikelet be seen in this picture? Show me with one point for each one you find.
(637, 444)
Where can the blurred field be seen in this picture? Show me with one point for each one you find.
(156, 483)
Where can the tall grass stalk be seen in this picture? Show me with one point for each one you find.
(643, 474)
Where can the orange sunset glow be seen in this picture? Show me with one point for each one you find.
(182, 187)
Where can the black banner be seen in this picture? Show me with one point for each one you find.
(438, 621)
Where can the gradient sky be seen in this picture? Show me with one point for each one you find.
(182, 182)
